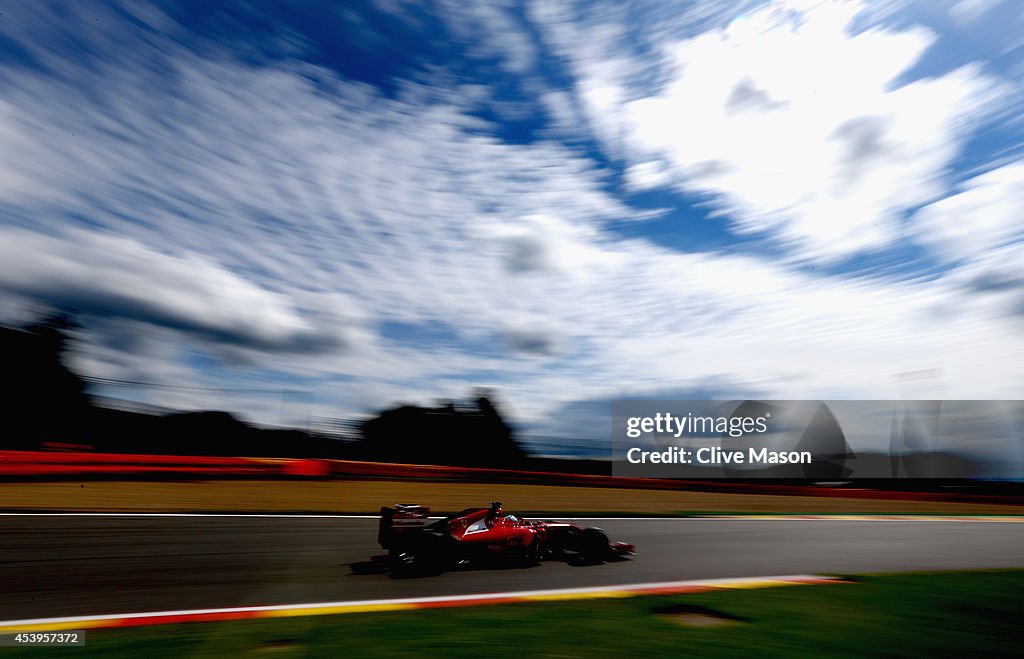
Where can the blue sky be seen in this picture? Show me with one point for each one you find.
(383, 202)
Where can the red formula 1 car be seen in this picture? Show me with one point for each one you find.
(415, 543)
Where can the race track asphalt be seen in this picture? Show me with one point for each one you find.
(64, 566)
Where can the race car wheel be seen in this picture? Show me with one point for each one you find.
(533, 553)
(593, 545)
(422, 557)
(405, 558)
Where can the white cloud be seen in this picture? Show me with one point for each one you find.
(795, 128)
(971, 10)
(565, 118)
(279, 206)
(648, 175)
(986, 213)
(492, 30)
(792, 123)
(120, 278)
(991, 284)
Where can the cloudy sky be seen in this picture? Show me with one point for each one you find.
(367, 203)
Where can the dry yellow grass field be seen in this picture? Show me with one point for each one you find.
(340, 496)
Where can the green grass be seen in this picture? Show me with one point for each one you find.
(943, 614)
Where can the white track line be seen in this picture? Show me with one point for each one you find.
(721, 583)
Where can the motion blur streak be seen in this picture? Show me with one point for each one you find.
(53, 566)
(303, 211)
(372, 606)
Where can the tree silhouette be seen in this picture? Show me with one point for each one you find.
(45, 400)
(47, 403)
(474, 434)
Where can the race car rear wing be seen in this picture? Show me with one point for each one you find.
(404, 517)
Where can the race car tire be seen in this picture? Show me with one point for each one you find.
(419, 557)
(593, 545)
